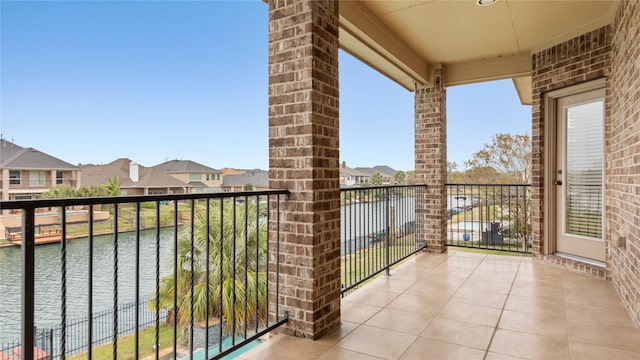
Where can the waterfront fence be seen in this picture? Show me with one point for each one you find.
(378, 229)
(490, 216)
(224, 265)
(46, 339)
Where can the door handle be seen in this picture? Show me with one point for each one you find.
(558, 182)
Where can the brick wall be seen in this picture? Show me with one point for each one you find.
(431, 162)
(582, 59)
(304, 158)
(623, 158)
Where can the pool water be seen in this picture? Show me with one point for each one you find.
(226, 343)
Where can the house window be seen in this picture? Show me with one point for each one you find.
(59, 177)
(208, 175)
(195, 177)
(36, 178)
(14, 177)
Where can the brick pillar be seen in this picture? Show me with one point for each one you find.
(304, 158)
(431, 162)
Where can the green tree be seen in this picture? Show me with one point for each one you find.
(228, 264)
(508, 154)
(377, 179)
(411, 177)
(60, 192)
(248, 187)
(400, 177)
(112, 186)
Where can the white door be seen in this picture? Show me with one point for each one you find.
(579, 175)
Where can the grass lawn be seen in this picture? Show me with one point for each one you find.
(126, 345)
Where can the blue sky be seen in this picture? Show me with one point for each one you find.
(93, 81)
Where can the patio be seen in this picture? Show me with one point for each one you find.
(461, 305)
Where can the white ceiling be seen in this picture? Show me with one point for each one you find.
(406, 40)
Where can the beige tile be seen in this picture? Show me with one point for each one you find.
(378, 342)
(498, 356)
(584, 351)
(433, 289)
(344, 329)
(493, 273)
(539, 324)
(459, 332)
(375, 297)
(500, 287)
(475, 314)
(418, 304)
(397, 282)
(337, 353)
(401, 321)
(529, 346)
(614, 337)
(425, 348)
(485, 298)
(536, 305)
(283, 347)
(601, 316)
(593, 292)
(538, 291)
(357, 313)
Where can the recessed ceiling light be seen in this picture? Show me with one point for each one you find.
(486, 2)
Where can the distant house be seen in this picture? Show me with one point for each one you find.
(352, 177)
(249, 180)
(27, 172)
(136, 179)
(201, 178)
(388, 174)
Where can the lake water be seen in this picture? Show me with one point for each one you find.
(48, 279)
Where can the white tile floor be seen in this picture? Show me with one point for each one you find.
(472, 306)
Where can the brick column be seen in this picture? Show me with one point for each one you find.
(431, 162)
(304, 158)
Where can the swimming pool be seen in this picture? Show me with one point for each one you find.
(199, 354)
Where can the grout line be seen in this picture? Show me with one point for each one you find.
(495, 329)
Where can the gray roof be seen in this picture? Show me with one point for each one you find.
(353, 172)
(147, 177)
(13, 156)
(184, 166)
(257, 178)
(382, 169)
(385, 170)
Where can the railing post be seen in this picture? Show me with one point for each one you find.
(28, 282)
(387, 230)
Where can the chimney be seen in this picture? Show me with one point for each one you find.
(134, 171)
(344, 164)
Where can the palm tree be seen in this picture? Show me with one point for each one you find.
(112, 186)
(237, 270)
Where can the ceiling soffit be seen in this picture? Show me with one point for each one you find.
(406, 40)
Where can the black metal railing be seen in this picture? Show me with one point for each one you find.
(489, 216)
(378, 230)
(47, 339)
(202, 258)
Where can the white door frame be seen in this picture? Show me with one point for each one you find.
(550, 163)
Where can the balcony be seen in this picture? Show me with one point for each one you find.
(464, 305)
(398, 302)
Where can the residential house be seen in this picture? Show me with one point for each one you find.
(28, 172)
(352, 177)
(201, 178)
(250, 180)
(388, 174)
(136, 179)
